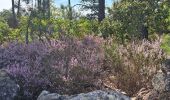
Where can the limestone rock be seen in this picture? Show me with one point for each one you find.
(8, 87)
(95, 95)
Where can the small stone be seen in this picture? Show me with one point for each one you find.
(158, 81)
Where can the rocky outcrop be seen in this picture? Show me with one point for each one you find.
(166, 70)
(95, 95)
(8, 88)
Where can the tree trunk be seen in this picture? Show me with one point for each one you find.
(39, 5)
(101, 13)
(18, 11)
(28, 25)
(26, 35)
(14, 25)
(70, 10)
(49, 12)
(144, 32)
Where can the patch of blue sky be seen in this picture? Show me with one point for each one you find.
(6, 4)
(73, 2)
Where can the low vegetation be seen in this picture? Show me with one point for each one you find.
(44, 47)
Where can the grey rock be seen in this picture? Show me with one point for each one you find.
(166, 70)
(167, 82)
(95, 95)
(8, 87)
(158, 81)
(45, 95)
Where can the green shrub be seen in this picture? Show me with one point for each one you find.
(166, 43)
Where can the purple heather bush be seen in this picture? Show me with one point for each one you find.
(23, 62)
(66, 65)
(70, 65)
(78, 61)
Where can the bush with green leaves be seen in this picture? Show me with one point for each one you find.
(4, 30)
(77, 28)
(132, 16)
(166, 43)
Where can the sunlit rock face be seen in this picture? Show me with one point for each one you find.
(95, 95)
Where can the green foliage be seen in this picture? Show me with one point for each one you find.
(8, 34)
(3, 30)
(84, 27)
(78, 28)
(133, 16)
(166, 7)
(166, 43)
(159, 22)
(109, 27)
(124, 22)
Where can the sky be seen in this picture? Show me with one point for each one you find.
(6, 4)
(73, 2)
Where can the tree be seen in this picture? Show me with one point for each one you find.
(101, 14)
(138, 19)
(91, 5)
(14, 15)
(6, 14)
(97, 8)
(70, 10)
(64, 12)
(18, 10)
(38, 18)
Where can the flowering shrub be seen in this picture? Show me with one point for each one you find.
(61, 65)
(133, 65)
(69, 65)
(23, 62)
(78, 62)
